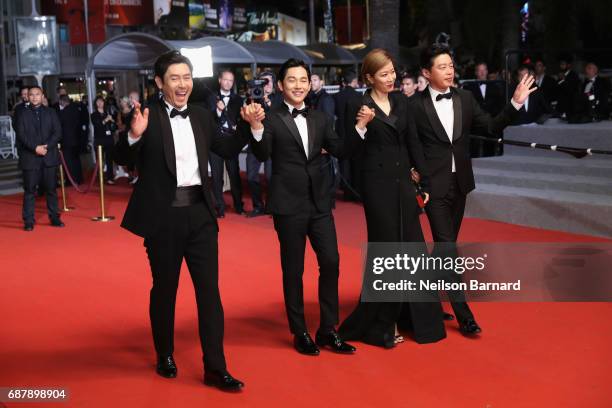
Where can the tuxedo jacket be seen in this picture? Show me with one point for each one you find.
(469, 118)
(601, 93)
(156, 160)
(29, 135)
(493, 102)
(298, 180)
(537, 110)
(231, 113)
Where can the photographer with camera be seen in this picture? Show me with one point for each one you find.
(226, 105)
(261, 90)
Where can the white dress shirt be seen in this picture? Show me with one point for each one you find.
(483, 90)
(300, 122)
(225, 97)
(187, 165)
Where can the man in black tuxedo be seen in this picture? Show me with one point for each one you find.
(226, 107)
(445, 117)
(172, 209)
(490, 97)
(72, 142)
(348, 167)
(38, 133)
(595, 93)
(545, 82)
(300, 202)
(535, 109)
(568, 88)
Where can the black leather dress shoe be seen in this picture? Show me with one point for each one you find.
(221, 215)
(303, 344)
(255, 213)
(333, 341)
(240, 211)
(56, 222)
(469, 327)
(166, 367)
(222, 380)
(28, 227)
(447, 317)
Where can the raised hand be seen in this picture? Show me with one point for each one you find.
(140, 121)
(254, 114)
(365, 116)
(220, 105)
(524, 89)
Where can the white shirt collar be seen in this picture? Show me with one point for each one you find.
(291, 107)
(435, 93)
(225, 93)
(169, 107)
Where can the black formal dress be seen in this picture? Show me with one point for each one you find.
(178, 222)
(449, 189)
(390, 149)
(226, 123)
(300, 202)
(35, 127)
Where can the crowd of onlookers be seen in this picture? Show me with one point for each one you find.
(566, 95)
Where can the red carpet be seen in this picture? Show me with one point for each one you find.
(74, 307)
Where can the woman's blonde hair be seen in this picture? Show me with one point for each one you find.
(374, 61)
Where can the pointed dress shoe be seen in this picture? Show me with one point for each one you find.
(223, 381)
(447, 317)
(56, 222)
(28, 227)
(469, 327)
(303, 344)
(166, 367)
(333, 341)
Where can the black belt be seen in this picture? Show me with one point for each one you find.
(186, 196)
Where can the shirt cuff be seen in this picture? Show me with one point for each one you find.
(361, 132)
(219, 113)
(131, 140)
(257, 134)
(517, 106)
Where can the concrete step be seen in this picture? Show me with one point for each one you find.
(587, 166)
(575, 212)
(544, 181)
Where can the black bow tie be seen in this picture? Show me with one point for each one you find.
(448, 95)
(184, 113)
(296, 112)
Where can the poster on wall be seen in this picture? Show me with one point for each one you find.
(37, 46)
(129, 12)
(171, 12)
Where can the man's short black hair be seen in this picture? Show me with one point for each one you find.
(36, 87)
(223, 71)
(170, 58)
(409, 75)
(292, 63)
(349, 76)
(21, 88)
(430, 53)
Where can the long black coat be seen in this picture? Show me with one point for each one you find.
(29, 136)
(390, 149)
(72, 132)
(154, 154)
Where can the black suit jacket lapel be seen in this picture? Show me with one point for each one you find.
(432, 116)
(310, 125)
(290, 123)
(458, 116)
(390, 120)
(200, 143)
(167, 138)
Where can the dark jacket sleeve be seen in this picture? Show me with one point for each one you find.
(415, 148)
(354, 144)
(483, 124)
(21, 135)
(262, 149)
(226, 146)
(56, 130)
(328, 106)
(332, 143)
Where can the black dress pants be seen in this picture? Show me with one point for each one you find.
(445, 215)
(188, 233)
(45, 177)
(233, 170)
(292, 231)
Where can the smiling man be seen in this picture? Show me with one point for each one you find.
(300, 202)
(172, 209)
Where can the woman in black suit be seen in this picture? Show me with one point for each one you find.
(104, 126)
(388, 151)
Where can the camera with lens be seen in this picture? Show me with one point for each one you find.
(256, 88)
